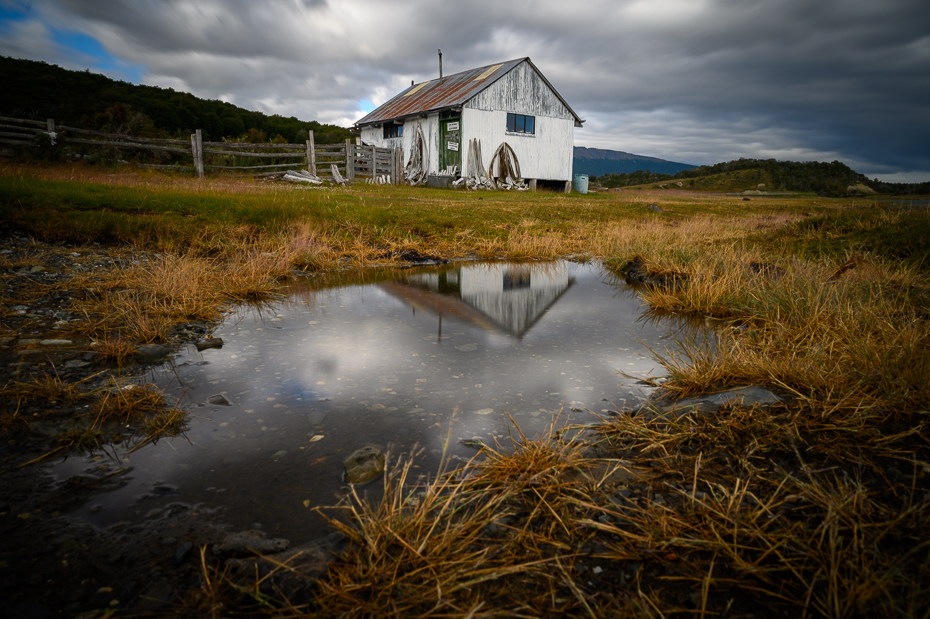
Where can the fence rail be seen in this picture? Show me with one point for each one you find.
(353, 161)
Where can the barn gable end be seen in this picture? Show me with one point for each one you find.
(524, 91)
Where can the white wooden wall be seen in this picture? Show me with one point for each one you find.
(522, 91)
(545, 155)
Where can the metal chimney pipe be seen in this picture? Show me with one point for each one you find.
(440, 64)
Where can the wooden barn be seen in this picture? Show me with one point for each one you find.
(503, 120)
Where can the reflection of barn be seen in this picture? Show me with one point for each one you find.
(509, 102)
(509, 298)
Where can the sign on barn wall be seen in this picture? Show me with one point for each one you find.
(450, 130)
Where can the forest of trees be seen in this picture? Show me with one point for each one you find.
(825, 179)
(38, 90)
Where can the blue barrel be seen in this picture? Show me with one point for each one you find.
(581, 183)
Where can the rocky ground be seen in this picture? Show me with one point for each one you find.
(49, 566)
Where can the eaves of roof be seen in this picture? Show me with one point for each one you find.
(449, 92)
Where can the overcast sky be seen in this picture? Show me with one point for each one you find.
(694, 81)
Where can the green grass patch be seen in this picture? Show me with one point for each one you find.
(901, 235)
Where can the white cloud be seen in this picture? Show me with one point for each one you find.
(699, 81)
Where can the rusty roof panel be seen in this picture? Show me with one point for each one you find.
(440, 94)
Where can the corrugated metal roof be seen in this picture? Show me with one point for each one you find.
(450, 91)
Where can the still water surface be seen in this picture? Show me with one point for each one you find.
(388, 363)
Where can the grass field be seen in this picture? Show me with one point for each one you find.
(817, 507)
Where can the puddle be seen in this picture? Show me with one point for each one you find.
(384, 362)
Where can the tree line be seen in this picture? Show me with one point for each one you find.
(825, 179)
(38, 90)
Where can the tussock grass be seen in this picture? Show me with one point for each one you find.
(815, 507)
(107, 411)
(852, 330)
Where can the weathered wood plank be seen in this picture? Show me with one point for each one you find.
(213, 151)
(197, 151)
(36, 123)
(17, 135)
(253, 167)
(311, 154)
(121, 136)
(165, 167)
(29, 130)
(254, 146)
(169, 149)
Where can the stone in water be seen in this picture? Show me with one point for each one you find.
(364, 465)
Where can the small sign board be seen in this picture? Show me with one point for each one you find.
(452, 145)
(452, 126)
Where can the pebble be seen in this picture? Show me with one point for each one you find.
(181, 553)
(151, 353)
(210, 343)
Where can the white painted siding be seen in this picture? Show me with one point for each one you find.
(521, 91)
(430, 128)
(547, 155)
(374, 136)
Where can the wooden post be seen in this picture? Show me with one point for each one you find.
(311, 155)
(51, 125)
(397, 167)
(197, 151)
(350, 160)
(374, 162)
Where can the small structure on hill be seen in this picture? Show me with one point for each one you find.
(503, 123)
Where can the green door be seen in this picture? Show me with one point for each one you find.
(450, 143)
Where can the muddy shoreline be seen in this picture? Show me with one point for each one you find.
(51, 566)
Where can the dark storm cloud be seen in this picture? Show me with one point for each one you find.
(689, 80)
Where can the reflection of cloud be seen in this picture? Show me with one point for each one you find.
(326, 366)
(358, 367)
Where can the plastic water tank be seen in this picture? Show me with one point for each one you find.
(581, 183)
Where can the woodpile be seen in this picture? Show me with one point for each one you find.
(337, 177)
(418, 167)
(301, 176)
(504, 161)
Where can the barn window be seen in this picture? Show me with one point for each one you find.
(519, 123)
(392, 130)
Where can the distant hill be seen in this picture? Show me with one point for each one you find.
(35, 89)
(767, 175)
(599, 161)
(825, 179)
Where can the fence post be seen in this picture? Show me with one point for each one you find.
(197, 151)
(350, 161)
(397, 167)
(311, 154)
(374, 163)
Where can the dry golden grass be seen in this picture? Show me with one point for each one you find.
(719, 525)
(831, 332)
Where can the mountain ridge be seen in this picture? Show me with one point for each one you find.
(601, 161)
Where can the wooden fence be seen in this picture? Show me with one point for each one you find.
(353, 161)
